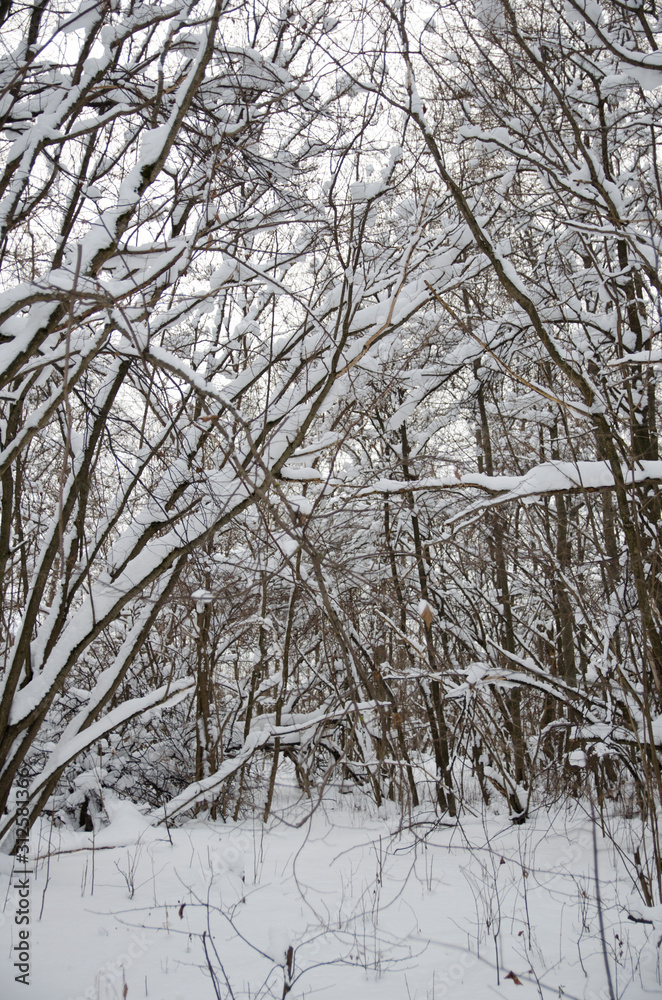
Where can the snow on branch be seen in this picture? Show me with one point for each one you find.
(541, 480)
(163, 697)
(261, 735)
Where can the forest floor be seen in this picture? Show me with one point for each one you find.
(370, 908)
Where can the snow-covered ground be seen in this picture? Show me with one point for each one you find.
(370, 910)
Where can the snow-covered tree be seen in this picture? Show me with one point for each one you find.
(329, 339)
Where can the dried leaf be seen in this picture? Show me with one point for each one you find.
(426, 613)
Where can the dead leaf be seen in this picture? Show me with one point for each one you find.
(427, 614)
(511, 975)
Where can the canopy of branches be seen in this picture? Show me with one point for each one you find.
(329, 346)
